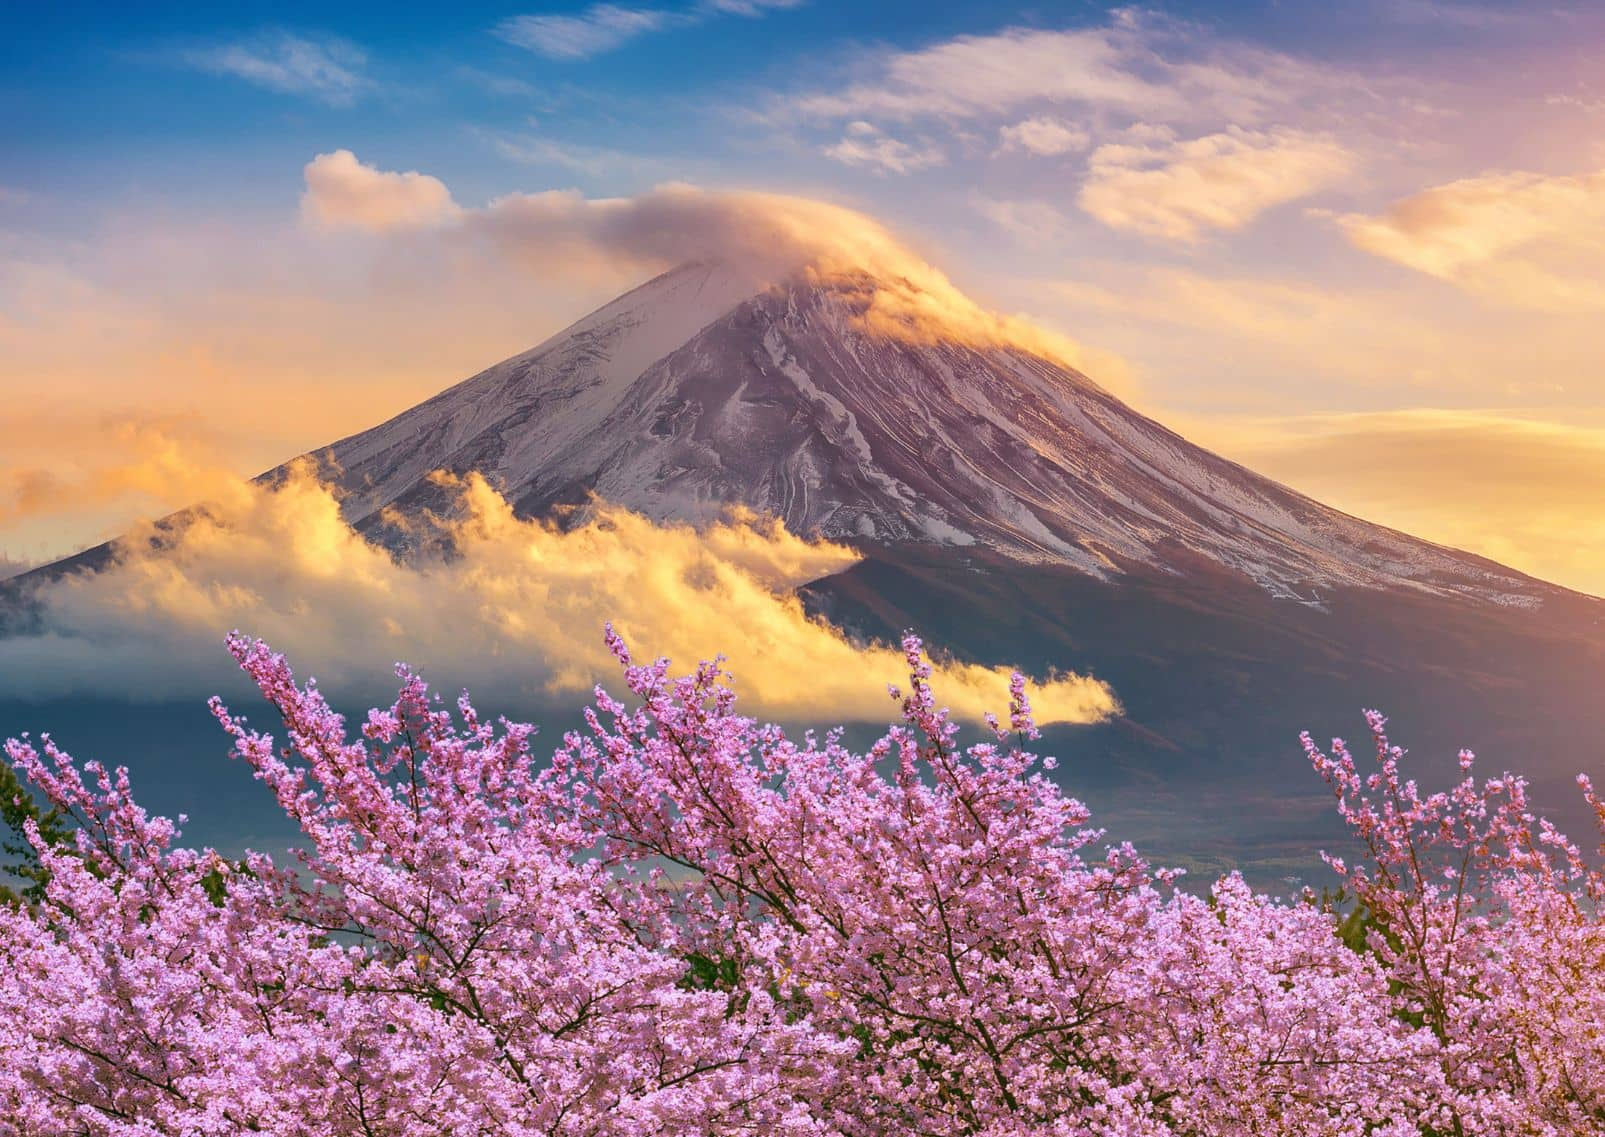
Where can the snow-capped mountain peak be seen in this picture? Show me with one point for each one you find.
(876, 424)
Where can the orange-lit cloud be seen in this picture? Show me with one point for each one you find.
(516, 610)
(1527, 239)
(342, 191)
(1522, 491)
(1292, 344)
(253, 341)
(90, 472)
(772, 236)
(133, 459)
(1160, 185)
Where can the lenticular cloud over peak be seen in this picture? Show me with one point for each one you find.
(776, 234)
(767, 238)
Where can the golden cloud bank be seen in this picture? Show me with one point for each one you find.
(516, 608)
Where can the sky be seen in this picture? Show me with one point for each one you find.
(1358, 247)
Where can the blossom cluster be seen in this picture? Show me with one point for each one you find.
(687, 923)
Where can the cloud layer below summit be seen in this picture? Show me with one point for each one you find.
(516, 613)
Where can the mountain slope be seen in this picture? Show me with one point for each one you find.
(699, 390)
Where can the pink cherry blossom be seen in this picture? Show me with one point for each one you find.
(682, 921)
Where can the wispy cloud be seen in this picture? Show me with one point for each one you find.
(506, 86)
(1582, 100)
(1184, 132)
(1446, 13)
(866, 145)
(748, 7)
(1136, 66)
(1043, 135)
(1523, 238)
(973, 75)
(1520, 490)
(321, 67)
(604, 27)
(1027, 220)
(1162, 186)
(591, 161)
(600, 28)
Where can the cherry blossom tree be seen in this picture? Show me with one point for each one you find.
(1488, 925)
(687, 922)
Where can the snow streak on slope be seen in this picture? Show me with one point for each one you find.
(700, 390)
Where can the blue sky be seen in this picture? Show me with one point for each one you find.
(115, 98)
(1296, 231)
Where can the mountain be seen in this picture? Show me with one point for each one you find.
(694, 391)
(1015, 511)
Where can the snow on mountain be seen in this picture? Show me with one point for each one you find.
(703, 388)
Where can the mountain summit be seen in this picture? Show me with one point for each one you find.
(875, 423)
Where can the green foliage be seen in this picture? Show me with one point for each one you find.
(20, 864)
(705, 973)
(1356, 929)
(215, 883)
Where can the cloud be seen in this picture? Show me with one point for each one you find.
(1044, 136)
(1162, 186)
(1532, 240)
(1138, 65)
(749, 7)
(863, 144)
(133, 459)
(1521, 490)
(1282, 341)
(517, 610)
(1583, 102)
(341, 191)
(504, 86)
(771, 236)
(324, 68)
(591, 161)
(1029, 221)
(259, 335)
(972, 75)
(602, 28)
(598, 29)
(1440, 13)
